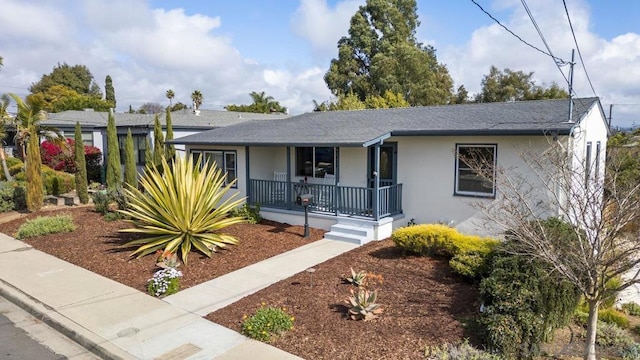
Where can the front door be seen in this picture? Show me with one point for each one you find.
(388, 164)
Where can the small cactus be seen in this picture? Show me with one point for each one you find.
(363, 304)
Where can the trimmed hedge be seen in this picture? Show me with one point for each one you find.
(12, 196)
(57, 182)
(467, 254)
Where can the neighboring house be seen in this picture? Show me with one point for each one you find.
(372, 170)
(185, 122)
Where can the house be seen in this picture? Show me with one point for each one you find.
(370, 171)
(184, 122)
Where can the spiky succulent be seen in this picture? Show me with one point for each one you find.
(362, 304)
(357, 278)
(182, 205)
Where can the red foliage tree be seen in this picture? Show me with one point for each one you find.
(60, 157)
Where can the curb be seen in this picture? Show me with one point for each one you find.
(85, 338)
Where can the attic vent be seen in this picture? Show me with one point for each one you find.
(196, 112)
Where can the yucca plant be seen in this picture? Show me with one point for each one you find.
(362, 304)
(181, 206)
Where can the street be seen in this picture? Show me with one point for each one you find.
(24, 337)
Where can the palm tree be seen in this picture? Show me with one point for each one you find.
(4, 118)
(170, 95)
(197, 98)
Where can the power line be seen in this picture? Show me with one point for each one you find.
(514, 34)
(578, 48)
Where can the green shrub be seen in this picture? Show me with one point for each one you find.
(636, 330)
(45, 225)
(14, 165)
(247, 212)
(631, 352)
(267, 322)
(611, 335)
(57, 182)
(524, 303)
(12, 196)
(101, 201)
(631, 308)
(462, 351)
(467, 253)
(613, 316)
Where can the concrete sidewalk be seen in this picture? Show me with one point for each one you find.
(118, 322)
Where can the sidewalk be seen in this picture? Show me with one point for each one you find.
(118, 322)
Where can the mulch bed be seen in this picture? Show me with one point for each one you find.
(97, 245)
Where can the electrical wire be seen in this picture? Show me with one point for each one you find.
(578, 48)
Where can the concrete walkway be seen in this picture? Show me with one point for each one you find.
(118, 322)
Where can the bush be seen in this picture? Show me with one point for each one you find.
(12, 196)
(613, 316)
(57, 182)
(14, 165)
(467, 253)
(267, 322)
(462, 351)
(631, 308)
(45, 225)
(247, 212)
(611, 335)
(524, 303)
(631, 352)
(101, 201)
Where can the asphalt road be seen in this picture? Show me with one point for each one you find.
(23, 337)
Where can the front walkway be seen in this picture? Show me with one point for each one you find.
(118, 322)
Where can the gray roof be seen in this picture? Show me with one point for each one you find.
(183, 119)
(363, 127)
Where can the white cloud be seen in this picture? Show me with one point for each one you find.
(322, 25)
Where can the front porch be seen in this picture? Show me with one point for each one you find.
(359, 202)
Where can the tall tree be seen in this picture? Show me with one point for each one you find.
(601, 247)
(4, 119)
(59, 98)
(81, 167)
(170, 95)
(28, 130)
(171, 149)
(151, 108)
(130, 170)
(148, 154)
(381, 53)
(114, 171)
(109, 91)
(351, 102)
(158, 142)
(261, 104)
(77, 78)
(508, 85)
(197, 98)
(461, 96)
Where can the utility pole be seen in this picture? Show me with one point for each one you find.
(573, 54)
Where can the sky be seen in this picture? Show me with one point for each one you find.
(227, 49)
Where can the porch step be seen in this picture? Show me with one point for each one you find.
(350, 232)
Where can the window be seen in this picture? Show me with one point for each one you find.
(475, 170)
(87, 137)
(597, 165)
(139, 147)
(587, 165)
(315, 161)
(225, 161)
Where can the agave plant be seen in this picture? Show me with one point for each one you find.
(182, 205)
(357, 278)
(363, 304)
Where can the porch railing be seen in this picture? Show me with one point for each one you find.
(335, 199)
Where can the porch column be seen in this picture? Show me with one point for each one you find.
(247, 167)
(336, 170)
(287, 189)
(376, 181)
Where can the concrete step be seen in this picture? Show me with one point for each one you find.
(350, 238)
(364, 231)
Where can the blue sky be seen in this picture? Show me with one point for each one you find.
(227, 49)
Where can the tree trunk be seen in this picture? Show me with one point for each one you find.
(3, 158)
(592, 322)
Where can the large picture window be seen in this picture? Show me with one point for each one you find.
(315, 161)
(139, 147)
(224, 160)
(475, 170)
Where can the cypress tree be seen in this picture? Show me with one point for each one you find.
(148, 154)
(171, 149)
(130, 170)
(109, 91)
(35, 188)
(158, 142)
(81, 167)
(114, 171)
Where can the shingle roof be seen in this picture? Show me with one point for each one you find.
(358, 128)
(185, 119)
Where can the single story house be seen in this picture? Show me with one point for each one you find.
(370, 171)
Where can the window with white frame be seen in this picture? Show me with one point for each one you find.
(87, 137)
(475, 170)
(225, 160)
(315, 161)
(597, 162)
(139, 148)
(587, 163)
